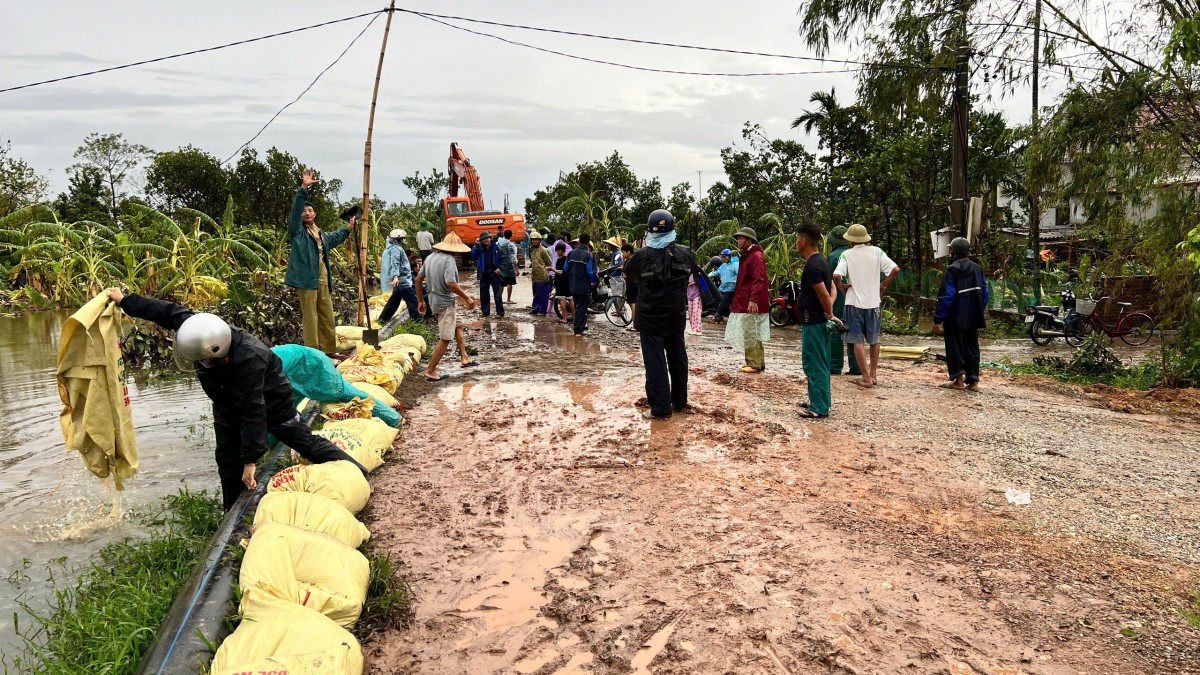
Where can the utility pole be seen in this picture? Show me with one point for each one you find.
(365, 225)
(699, 186)
(958, 168)
(1035, 190)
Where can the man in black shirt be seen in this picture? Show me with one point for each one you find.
(658, 276)
(816, 309)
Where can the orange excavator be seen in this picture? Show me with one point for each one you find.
(466, 216)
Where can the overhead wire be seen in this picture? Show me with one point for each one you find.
(191, 52)
(301, 94)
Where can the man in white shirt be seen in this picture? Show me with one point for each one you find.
(863, 274)
(424, 240)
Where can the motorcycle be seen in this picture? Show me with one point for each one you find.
(602, 301)
(1044, 323)
(785, 309)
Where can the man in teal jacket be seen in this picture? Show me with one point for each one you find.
(308, 268)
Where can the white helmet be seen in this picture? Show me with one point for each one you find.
(202, 336)
(397, 234)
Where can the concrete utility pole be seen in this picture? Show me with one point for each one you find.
(962, 104)
(365, 225)
(1035, 190)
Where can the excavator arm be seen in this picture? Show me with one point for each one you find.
(461, 172)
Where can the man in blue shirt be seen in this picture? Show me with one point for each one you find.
(581, 271)
(395, 277)
(489, 268)
(727, 274)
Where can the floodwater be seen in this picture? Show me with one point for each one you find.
(54, 514)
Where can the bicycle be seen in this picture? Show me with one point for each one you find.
(1134, 328)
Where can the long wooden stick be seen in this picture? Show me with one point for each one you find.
(365, 225)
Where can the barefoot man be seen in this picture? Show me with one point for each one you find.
(440, 272)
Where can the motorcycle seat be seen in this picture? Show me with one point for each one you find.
(1047, 308)
(1125, 304)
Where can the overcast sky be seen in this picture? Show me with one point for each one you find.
(521, 115)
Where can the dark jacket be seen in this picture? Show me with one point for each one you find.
(303, 256)
(963, 296)
(660, 279)
(581, 270)
(487, 260)
(752, 283)
(247, 387)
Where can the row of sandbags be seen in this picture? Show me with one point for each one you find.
(385, 366)
(303, 579)
(314, 377)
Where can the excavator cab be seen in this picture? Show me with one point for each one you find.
(456, 207)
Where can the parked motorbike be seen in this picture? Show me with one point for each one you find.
(618, 312)
(1044, 322)
(785, 309)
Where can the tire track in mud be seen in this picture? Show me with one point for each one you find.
(549, 529)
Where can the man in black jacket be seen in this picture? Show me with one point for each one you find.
(961, 310)
(250, 394)
(659, 274)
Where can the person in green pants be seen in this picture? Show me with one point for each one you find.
(816, 318)
(837, 349)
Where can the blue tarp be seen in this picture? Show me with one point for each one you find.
(313, 376)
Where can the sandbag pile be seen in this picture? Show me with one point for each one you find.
(313, 376)
(303, 580)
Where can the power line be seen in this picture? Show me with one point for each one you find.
(430, 17)
(310, 86)
(655, 43)
(190, 53)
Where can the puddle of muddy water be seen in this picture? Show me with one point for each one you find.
(54, 514)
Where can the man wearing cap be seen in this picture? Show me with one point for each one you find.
(748, 327)
(489, 269)
(424, 240)
(581, 273)
(961, 312)
(616, 283)
(539, 272)
(308, 268)
(837, 349)
(863, 274)
(440, 273)
(395, 276)
(658, 277)
(727, 275)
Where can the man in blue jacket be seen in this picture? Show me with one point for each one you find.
(961, 311)
(581, 271)
(395, 276)
(489, 265)
(308, 269)
(727, 274)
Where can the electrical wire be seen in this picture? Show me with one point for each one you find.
(517, 43)
(301, 95)
(190, 53)
(431, 16)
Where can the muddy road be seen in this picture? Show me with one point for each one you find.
(548, 528)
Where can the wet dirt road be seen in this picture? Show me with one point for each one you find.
(549, 529)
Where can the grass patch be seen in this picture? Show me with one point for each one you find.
(106, 620)
(1093, 363)
(418, 327)
(1191, 614)
(389, 597)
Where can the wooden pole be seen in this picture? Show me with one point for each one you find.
(364, 226)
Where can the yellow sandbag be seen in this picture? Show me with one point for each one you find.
(379, 300)
(386, 378)
(340, 481)
(366, 440)
(315, 513)
(347, 336)
(286, 639)
(378, 393)
(406, 339)
(96, 419)
(308, 568)
(360, 408)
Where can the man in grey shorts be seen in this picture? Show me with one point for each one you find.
(440, 272)
(863, 274)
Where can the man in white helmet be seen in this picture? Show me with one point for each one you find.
(250, 394)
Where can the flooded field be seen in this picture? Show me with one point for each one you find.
(54, 514)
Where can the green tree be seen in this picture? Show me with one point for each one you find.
(187, 177)
(116, 159)
(773, 176)
(20, 185)
(263, 189)
(84, 198)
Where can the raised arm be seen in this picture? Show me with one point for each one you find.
(166, 314)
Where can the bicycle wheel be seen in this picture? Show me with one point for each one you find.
(1136, 329)
(1079, 331)
(618, 311)
(557, 307)
(778, 316)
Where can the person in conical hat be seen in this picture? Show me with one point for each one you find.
(440, 274)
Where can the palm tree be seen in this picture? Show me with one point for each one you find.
(824, 119)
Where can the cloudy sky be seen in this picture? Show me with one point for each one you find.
(521, 115)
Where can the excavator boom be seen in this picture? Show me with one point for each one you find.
(461, 172)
